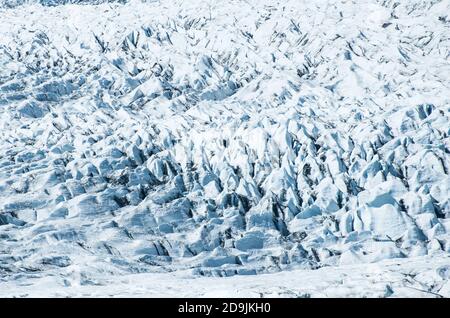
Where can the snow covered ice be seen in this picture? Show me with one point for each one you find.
(153, 143)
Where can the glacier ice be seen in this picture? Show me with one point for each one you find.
(222, 137)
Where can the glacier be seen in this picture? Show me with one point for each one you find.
(246, 143)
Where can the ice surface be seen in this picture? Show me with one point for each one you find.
(422, 277)
(222, 138)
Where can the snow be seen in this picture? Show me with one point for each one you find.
(203, 141)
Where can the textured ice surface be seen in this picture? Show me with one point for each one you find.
(427, 276)
(222, 138)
